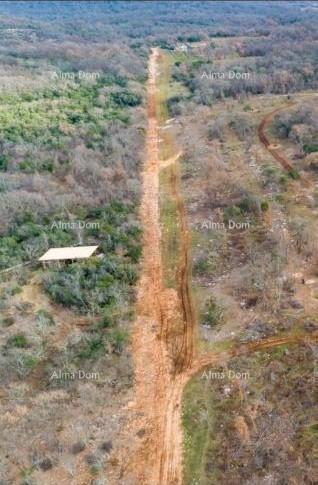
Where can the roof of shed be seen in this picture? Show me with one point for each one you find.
(76, 252)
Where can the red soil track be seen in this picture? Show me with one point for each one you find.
(160, 378)
(264, 139)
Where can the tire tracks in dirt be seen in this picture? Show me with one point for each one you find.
(185, 354)
(156, 458)
(250, 347)
(159, 379)
(284, 162)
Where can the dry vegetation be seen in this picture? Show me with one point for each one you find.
(257, 279)
(71, 148)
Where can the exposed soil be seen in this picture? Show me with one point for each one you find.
(247, 348)
(159, 379)
(273, 150)
(160, 375)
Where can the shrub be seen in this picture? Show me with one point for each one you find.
(173, 105)
(201, 265)
(118, 337)
(26, 363)
(7, 321)
(106, 446)
(194, 38)
(242, 126)
(216, 130)
(43, 317)
(134, 252)
(95, 469)
(28, 166)
(294, 174)
(310, 148)
(18, 340)
(264, 206)
(231, 212)
(213, 315)
(126, 98)
(91, 459)
(45, 464)
(3, 162)
(78, 447)
(250, 204)
(106, 319)
(163, 44)
(92, 347)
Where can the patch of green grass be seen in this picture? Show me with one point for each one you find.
(195, 426)
(19, 341)
(264, 205)
(118, 338)
(170, 239)
(94, 470)
(308, 437)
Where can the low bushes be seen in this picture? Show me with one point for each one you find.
(101, 285)
(19, 341)
(50, 118)
(213, 314)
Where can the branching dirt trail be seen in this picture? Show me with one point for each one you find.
(248, 348)
(160, 374)
(267, 120)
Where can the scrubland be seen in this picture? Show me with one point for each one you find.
(254, 268)
(71, 149)
(72, 128)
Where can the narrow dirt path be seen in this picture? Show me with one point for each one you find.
(265, 141)
(306, 188)
(211, 359)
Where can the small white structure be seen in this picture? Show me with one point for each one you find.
(181, 48)
(66, 254)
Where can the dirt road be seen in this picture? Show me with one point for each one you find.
(160, 375)
(158, 458)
